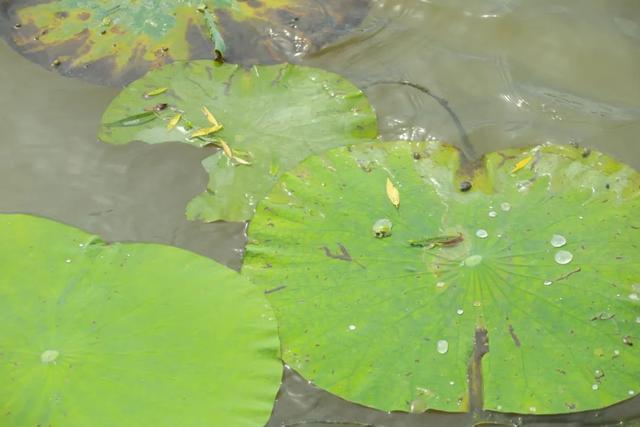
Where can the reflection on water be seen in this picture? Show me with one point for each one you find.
(513, 72)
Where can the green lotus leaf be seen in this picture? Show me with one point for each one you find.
(520, 294)
(114, 42)
(98, 334)
(272, 117)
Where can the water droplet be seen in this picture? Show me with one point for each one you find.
(67, 261)
(451, 383)
(548, 282)
(616, 352)
(563, 257)
(493, 214)
(634, 297)
(631, 392)
(595, 387)
(638, 319)
(532, 408)
(49, 356)
(482, 233)
(443, 346)
(558, 241)
(459, 312)
(499, 407)
(598, 373)
(473, 260)
(440, 285)
(505, 206)
(352, 327)
(476, 304)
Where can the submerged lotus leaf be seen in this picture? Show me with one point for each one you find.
(114, 42)
(103, 334)
(272, 117)
(467, 300)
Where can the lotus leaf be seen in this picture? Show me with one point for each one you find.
(100, 334)
(269, 116)
(518, 290)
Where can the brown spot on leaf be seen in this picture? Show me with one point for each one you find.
(480, 348)
(270, 291)
(514, 337)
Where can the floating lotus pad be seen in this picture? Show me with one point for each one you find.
(274, 116)
(127, 334)
(392, 314)
(114, 42)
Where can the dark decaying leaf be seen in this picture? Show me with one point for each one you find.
(115, 42)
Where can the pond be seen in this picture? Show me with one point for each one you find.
(483, 75)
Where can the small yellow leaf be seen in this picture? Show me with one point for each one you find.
(393, 194)
(241, 161)
(210, 116)
(156, 92)
(521, 164)
(226, 149)
(206, 131)
(174, 121)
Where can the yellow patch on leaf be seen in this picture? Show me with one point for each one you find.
(210, 117)
(226, 149)
(174, 121)
(156, 92)
(206, 131)
(241, 161)
(393, 194)
(521, 164)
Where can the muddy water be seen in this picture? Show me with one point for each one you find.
(482, 74)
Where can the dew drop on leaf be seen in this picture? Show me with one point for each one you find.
(482, 233)
(49, 356)
(473, 260)
(563, 257)
(505, 206)
(443, 346)
(558, 241)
